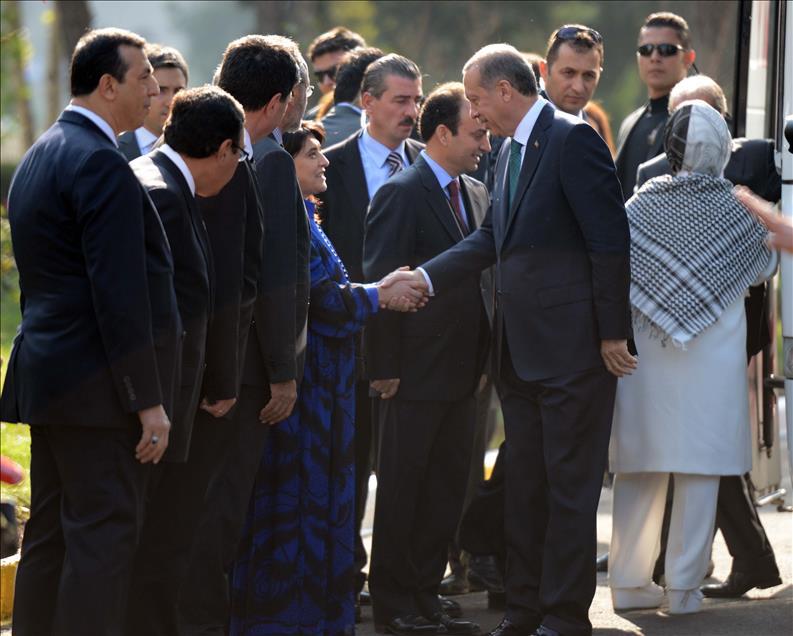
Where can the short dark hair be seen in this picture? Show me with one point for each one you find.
(253, 71)
(392, 64)
(293, 49)
(349, 74)
(96, 54)
(671, 21)
(294, 141)
(533, 59)
(585, 40)
(442, 106)
(201, 120)
(498, 62)
(337, 39)
(166, 57)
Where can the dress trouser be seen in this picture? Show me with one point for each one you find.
(363, 469)
(425, 451)
(638, 513)
(174, 507)
(204, 602)
(87, 500)
(557, 434)
(743, 532)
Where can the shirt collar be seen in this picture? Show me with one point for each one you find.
(146, 139)
(526, 125)
(180, 163)
(349, 105)
(579, 114)
(279, 136)
(443, 177)
(246, 144)
(96, 119)
(379, 152)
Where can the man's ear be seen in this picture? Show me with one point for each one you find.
(505, 90)
(689, 57)
(543, 69)
(107, 87)
(225, 148)
(366, 100)
(274, 105)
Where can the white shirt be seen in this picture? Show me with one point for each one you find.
(246, 144)
(374, 156)
(180, 163)
(146, 140)
(103, 125)
(526, 125)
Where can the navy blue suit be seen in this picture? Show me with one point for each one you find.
(99, 340)
(561, 252)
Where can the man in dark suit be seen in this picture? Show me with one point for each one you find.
(664, 55)
(344, 119)
(203, 139)
(558, 235)
(390, 95)
(261, 77)
(427, 366)
(170, 71)
(751, 164)
(93, 364)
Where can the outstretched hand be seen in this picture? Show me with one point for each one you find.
(780, 228)
(403, 290)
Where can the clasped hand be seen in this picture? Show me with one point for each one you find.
(403, 290)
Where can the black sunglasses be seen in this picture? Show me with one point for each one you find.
(330, 72)
(572, 32)
(664, 50)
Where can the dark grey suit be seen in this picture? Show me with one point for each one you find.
(341, 121)
(128, 145)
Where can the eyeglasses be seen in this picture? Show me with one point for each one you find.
(572, 32)
(664, 50)
(330, 72)
(244, 154)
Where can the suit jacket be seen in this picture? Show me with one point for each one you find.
(561, 252)
(189, 243)
(438, 352)
(340, 122)
(626, 128)
(751, 164)
(277, 342)
(128, 145)
(234, 223)
(100, 331)
(344, 203)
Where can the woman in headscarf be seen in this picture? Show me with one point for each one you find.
(685, 412)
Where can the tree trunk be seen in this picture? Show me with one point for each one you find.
(74, 19)
(22, 90)
(54, 70)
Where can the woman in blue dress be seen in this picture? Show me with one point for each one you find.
(294, 570)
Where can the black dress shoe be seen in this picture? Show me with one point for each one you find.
(507, 628)
(738, 584)
(450, 607)
(410, 625)
(602, 563)
(542, 630)
(455, 626)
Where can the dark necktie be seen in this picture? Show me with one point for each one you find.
(514, 168)
(454, 199)
(394, 161)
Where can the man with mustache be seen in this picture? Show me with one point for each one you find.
(170, 71)
(390, 95)
(429, 365)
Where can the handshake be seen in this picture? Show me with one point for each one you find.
(403, 290)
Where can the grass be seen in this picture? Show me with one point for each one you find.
(14, 438)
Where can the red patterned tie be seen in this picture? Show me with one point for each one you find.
(454, 199)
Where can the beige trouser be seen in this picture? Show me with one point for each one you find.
(639, 500)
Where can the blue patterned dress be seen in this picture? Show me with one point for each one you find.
(294, 570)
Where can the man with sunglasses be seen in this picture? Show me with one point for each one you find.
(325, 53)
(572, 67)
(664, 56)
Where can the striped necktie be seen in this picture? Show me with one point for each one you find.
(394, 161)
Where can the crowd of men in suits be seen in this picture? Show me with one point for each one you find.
(165, 307)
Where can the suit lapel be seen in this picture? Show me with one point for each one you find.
(474, 211)
(353, 175)
(535, 147)
(412, 150)
(438, 202)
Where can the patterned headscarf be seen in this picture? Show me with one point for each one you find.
(697, 140)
